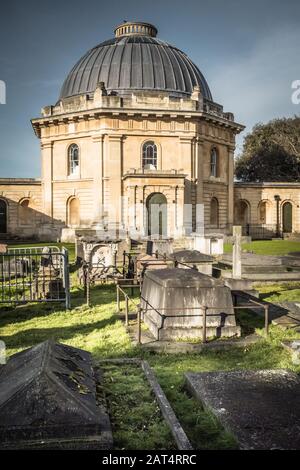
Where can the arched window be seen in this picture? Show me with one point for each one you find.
(73, 160)
(74, 212)
(3, 216)
(149, 155)
(214, 212)
(214, 162)
(262, 212)
(242, 212)
(24, 212)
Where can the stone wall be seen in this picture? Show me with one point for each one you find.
(249, 198)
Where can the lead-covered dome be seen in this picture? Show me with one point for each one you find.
(135, 60)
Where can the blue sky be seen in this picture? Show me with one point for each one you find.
(248, 52)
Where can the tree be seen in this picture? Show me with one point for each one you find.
(271, 152)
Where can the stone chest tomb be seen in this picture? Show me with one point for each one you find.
(173, 301)
(48, 400)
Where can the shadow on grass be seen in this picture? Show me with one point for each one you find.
(248, 321)
(21, 313)
(27, 338)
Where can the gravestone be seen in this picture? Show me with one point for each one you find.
(3, 248)
(145, 262)
(237, 252)
(48, 401)
(193, 259)
(172, 301)
(161, 246)
(260, 408)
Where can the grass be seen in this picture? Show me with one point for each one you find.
(268, 247)
(135, 418)
(280, 292)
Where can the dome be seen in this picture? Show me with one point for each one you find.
(135, 60)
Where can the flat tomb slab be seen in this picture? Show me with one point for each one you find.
(260, 408)
(48, 400)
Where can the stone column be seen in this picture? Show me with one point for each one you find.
(131, 218)
(47, 177)
(140, 210)
(230, 181)
(114, 171)
(98, 182)
(180, 212)
(199, 186)
(237, 252)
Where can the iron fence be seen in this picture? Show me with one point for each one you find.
(200, 311)
(260, 231)
(37, 274)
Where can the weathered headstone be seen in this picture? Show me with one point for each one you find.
(145, 262)
(260, 408)
(193, 259)
(48, 400)
(237, 252)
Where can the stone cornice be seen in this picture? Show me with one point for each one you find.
(20, 181)
(154, 175)
(126, 112)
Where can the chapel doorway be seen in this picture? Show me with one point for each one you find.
(287, 217)
(157, 215)
(3, 216)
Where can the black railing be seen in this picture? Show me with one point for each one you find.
(260, 231)
(200, 311)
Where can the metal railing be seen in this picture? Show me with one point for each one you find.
(35, 275)
(251, 305)
(127, 299)
(34, 250)
(256, 231)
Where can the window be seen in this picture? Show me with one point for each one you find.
(214, 162)
(149, 155)
(73, 160)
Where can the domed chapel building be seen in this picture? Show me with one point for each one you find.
(135, 143)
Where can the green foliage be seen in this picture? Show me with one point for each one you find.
(271, 152)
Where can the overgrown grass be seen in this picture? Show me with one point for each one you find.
(135, 418)
(268, 247)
